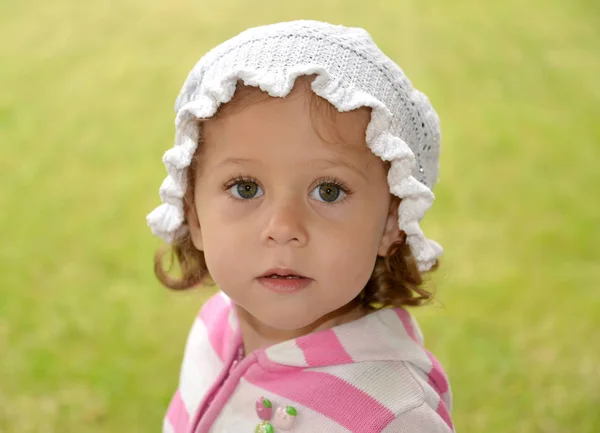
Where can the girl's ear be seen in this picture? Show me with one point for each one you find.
(391, 232)
(194, 227)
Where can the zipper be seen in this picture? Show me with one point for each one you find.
(238, 358)
(227, 385)
(216, 388)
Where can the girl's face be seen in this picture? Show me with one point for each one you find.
(278, 193)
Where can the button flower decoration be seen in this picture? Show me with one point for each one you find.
(284, 418)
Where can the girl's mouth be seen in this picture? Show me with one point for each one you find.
(281, 273)
(284, 280)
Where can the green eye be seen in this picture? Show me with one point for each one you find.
(246, 190)
(328, 192)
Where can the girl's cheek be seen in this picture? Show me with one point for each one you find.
(347, 210)
(223, 209)
(226, 209)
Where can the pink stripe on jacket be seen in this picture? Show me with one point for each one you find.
(368, 376)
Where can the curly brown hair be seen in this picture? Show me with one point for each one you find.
(395, 281)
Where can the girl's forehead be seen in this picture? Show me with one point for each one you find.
(283, 137)
(253, 119)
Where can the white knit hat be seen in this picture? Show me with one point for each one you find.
(351, 72)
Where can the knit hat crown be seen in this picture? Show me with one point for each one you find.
(351, 72)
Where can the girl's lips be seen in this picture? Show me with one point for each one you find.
(285, 285)
(282, 272)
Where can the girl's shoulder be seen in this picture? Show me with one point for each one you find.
(363, 375)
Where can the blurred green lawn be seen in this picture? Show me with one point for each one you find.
(89, 342)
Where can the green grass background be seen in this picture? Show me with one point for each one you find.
(89, 341)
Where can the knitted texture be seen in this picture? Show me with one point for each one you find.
(368, 376)
(351, 72)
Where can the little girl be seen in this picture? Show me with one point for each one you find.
(303, 162)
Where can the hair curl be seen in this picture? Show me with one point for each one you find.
(395, 281)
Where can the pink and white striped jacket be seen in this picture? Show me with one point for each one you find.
(371, 375)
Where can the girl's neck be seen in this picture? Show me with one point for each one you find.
(256, 334)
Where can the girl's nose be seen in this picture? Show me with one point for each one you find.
(286, 226)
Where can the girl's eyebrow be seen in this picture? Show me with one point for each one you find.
(231, 160)
(326, 163)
